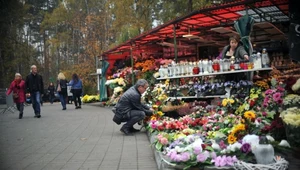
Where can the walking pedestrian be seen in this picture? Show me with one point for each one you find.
(76, 90)
(51, 90)
(35, 86)
(61, 88)
(129, 108)
(17, 86)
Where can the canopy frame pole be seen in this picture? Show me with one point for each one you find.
(131, 61)
(175, 43)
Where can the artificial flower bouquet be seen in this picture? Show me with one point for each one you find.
(291, 100)
(90, 98)
(291, 119)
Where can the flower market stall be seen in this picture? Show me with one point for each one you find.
(232, 134)
(202, 120)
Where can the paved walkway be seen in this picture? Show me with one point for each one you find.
(73, 139)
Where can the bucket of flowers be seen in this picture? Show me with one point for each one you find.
(291, 119)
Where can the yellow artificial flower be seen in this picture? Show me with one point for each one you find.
(240, 127)
(231, 139)
(249, 115)
(224, 102)
(160, 113)
(231, 101)
(211, 134)
(179, 135)
(154, 106)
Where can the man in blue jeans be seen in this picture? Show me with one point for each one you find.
(35, 86)
(129, 108)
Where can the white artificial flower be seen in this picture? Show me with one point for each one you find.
(179, 149)
(224, 151)
(257, 123)
(253, 140)
(270, 138)
(284, 143)
(215, 146)
(234, 147)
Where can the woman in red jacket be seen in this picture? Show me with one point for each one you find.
(18, 88)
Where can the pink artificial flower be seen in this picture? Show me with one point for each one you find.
(280, 101)
(276, 96)
(264, 114)
(269, 91)
(280, 89)
(222, 145)
(164, 141)
(259, 120)
(153, 125)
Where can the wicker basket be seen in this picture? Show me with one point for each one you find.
(279, 164)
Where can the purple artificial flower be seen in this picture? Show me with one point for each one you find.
(197, 149)
(202, 157)
(185, 156)
(246, 148)
(223, 160)
(213, 155)
(173, 155)
(229, 161)
(219, 161)
(234, 159)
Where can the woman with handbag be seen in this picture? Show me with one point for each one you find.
(18, 88)
(61, 88)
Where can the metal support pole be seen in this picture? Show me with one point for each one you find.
(131, 58)
(175, 43)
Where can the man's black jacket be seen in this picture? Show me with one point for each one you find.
(34, 83)
(131, 100)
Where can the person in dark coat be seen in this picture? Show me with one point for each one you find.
(61, 88)
(129, 108)
(18, 88)
(236, 49)
(51, 90)
(35, 86)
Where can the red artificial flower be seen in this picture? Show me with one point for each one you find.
(252, 103)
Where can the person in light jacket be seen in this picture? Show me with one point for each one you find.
(18, 88)
(76, 90)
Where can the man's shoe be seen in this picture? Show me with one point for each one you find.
(35, 116)
(64, 109)
(126, 131)
(38, 116)
(20, 115)
(76, 107)
(79, 107)
(133, 130)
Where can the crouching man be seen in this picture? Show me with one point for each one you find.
(129, 108)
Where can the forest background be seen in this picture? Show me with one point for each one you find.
(68, 35)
